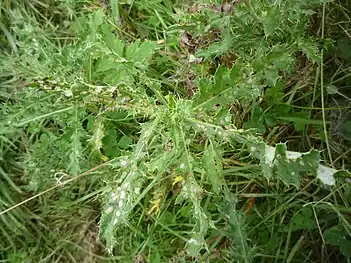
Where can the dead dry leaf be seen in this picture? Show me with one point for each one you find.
(185, 40)
(193, 59)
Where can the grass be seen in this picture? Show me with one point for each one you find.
(175, 131)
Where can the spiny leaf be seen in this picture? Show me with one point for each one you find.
(118, 205)
(147, 132)
(289, 166)
(96, 19)
(287, 170)
(309, 48)
(212, 159)
(116, 45)
(229, 85)
(143, 53)
(122, 200)
(242, 252)
(192, 191)
(271, 20)
(98, 135)
(140, 53)
(218, 49)
(76, 146)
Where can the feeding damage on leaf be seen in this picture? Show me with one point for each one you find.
(185, 103)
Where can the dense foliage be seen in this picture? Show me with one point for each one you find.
(171, 131)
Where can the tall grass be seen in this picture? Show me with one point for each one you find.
(151, 131)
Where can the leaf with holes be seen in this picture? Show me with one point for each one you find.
(212, 160)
